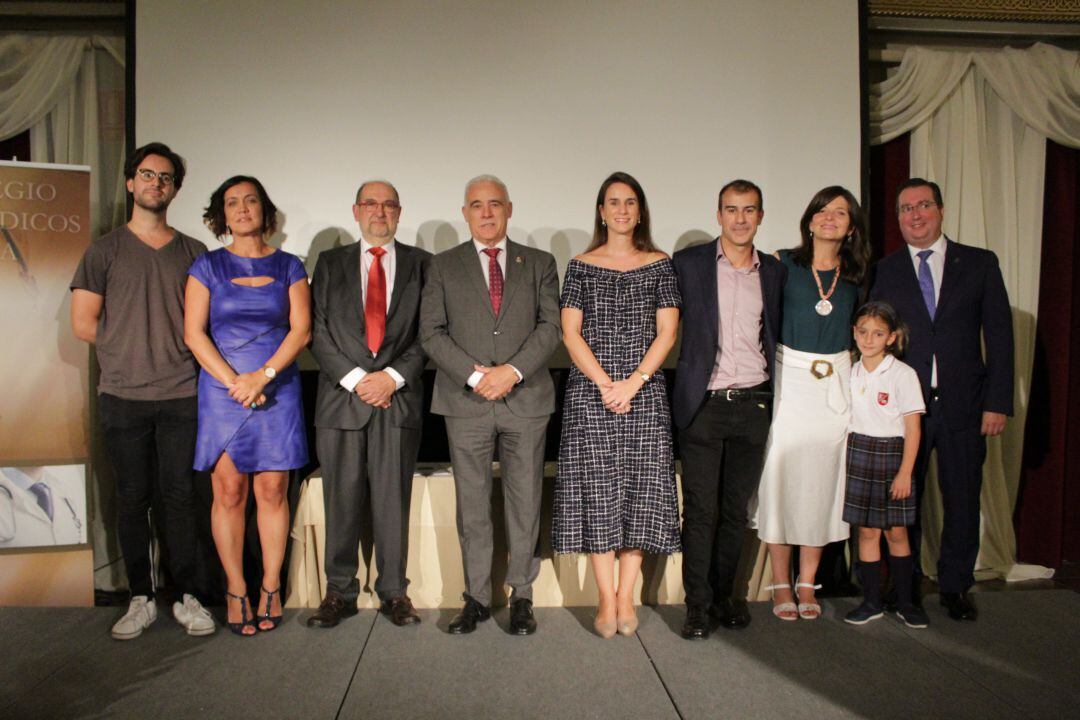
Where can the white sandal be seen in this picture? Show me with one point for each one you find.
(788, 607)
(808, 611)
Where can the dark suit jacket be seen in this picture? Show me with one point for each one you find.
(696, 268)
(339, 340)
(459, 329)
(972, 307)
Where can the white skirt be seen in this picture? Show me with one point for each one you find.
(800, 500)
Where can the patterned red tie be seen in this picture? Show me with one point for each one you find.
(495, 279)
(375, 304)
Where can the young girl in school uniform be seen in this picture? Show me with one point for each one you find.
(883, 441)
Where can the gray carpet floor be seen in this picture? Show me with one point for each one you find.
(1019, 660)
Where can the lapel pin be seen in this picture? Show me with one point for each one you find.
(518, 259)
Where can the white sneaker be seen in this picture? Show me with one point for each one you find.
(141, 613)
(196, 619)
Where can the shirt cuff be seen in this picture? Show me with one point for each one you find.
(475, 379)
(521, 378)
(350, 381)
(398, 379)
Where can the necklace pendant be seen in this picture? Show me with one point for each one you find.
(823, 307)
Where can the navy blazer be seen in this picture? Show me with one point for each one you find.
(696, 269)
(972, 307)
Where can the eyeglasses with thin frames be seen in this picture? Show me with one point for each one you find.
(390, 206)
(148, 175)
(923, 207)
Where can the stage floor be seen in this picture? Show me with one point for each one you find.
(1018, 660)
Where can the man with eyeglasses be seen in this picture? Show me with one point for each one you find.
(366, 304)
(953, 300)
(127, 300)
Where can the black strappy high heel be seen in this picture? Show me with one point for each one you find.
(247, 618)
(274, 620)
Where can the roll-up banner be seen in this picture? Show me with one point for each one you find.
(44, 387)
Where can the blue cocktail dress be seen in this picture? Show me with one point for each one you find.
(247, 324)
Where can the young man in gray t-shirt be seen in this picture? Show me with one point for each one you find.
(128, 301)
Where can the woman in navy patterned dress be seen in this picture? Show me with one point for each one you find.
(615, 489)
(255, 302)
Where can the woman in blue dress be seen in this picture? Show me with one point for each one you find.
(246, 317)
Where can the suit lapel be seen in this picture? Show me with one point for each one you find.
(909, 283)
(470, 262)
(515, 270)
(950, 276)
(403, 269)
(353, 272)
(712, 309)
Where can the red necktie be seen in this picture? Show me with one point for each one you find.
(495, 279)
(375, 303)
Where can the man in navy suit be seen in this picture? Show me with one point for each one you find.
(722, 400)
(953, 299)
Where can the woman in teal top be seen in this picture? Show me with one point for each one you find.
(801, 496)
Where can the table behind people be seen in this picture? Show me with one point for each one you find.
(954, 301)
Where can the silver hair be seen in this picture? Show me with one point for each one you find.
(486, 179)
(381, 182)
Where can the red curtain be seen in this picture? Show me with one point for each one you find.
(1046, 518)
(889, 166)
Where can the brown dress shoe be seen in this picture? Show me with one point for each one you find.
(333, 609)
(400, 610)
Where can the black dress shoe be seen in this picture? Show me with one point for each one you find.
(333, 609)
(465, 621)
(732, 614)
(522, 621)
(959, 605)
(400, 610)
(696, 626)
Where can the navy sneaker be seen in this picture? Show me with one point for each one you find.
(913, 616)
(864, 614)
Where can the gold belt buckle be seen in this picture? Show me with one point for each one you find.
(819, 374)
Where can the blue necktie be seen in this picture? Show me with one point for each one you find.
(44, 497)
(926, 282)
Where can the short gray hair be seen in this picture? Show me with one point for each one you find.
(380, 181)
(486, 179)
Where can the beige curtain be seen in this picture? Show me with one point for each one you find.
(979, 123)
(69, 93)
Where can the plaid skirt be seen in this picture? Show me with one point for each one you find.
(872, 463)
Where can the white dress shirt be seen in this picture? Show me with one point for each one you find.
(389, 266)
(937, 271)
(485, 267)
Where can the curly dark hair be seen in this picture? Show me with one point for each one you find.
(214, 213)
(642, 231)
(854, 251)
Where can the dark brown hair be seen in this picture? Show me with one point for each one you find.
(886, 313)
(214, 213)
(854, 250)
(162, 150)
(742, 187)
(642, 232)
(919, 182)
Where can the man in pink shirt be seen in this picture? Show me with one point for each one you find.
(722, 400)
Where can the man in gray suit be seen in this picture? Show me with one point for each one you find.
(366, 302)
(490, 320)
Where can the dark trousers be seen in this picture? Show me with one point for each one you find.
(151, 446)
(722, 453)
(960, 456)
(373, 466)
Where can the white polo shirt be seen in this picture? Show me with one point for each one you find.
(880, 399)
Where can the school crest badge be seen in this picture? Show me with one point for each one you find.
(883, 398)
